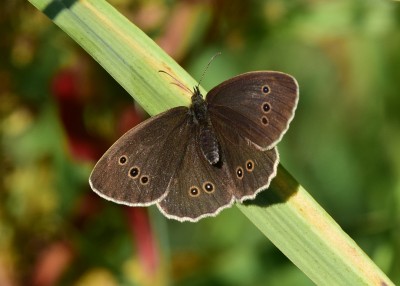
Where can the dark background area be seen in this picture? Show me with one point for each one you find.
(60, 111)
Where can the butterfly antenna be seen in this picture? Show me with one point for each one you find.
(177, 82)
(206, 68)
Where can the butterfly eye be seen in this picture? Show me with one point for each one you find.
(208, 187)
(249, 165)
(264, 120)
(265, 89)
(122, 160)
(144, 180)
(266, 107)
(239, 172)
(134, 172)
(194, 191)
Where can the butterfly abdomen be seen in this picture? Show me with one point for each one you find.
(209, 144)
(207, 139)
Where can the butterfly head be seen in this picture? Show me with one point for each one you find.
(196, 95)
(198, 101)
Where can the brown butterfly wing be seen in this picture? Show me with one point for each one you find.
(138, 168)
(198, 189)
(251, 170)
(257, 105)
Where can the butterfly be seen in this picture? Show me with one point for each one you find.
(195, 161)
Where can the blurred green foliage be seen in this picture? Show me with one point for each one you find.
(59, 111)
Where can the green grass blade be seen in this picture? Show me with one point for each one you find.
(129, 55)
(286, 214)
(309, 237)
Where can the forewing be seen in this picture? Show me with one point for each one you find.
(257, 106)
(138, 168)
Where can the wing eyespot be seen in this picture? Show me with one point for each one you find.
(122, 160)
(239, 172)
(266, 107)
(249, 166)
(144, 180)
(194, 191)
(208, 187)
(266, 89)
(264, 120)
(134, 172)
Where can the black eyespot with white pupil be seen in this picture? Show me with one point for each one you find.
(239, 172)
(194, 191)
(265, 89)
(208, 187)
(122, 160)
(134, 172)
(249, 165)
(266, 107)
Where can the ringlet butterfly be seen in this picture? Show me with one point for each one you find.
(195, 161)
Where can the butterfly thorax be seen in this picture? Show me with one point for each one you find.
(205, 132)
